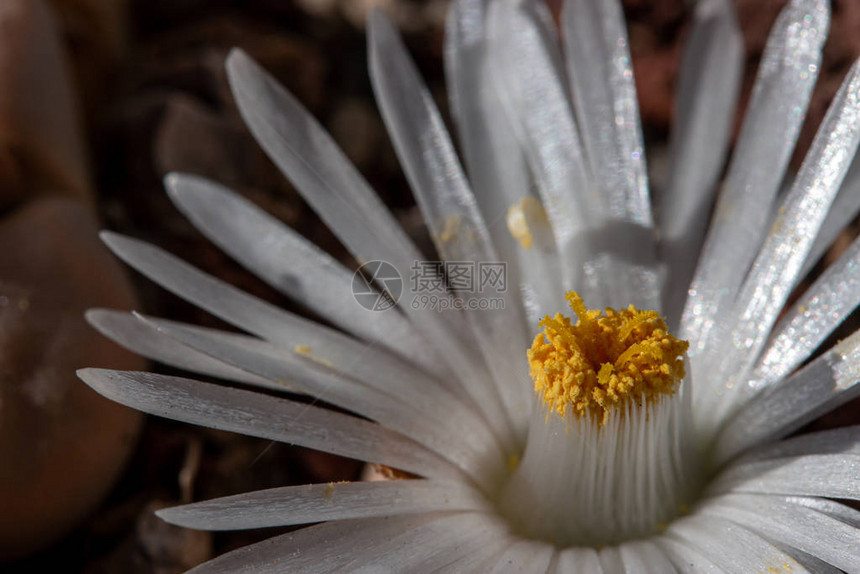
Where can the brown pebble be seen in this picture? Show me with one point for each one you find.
(61, 445)
(41, 147)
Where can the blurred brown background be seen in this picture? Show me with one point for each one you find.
(149, 80)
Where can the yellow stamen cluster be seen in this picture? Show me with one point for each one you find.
(605, 361)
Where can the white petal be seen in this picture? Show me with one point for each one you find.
(610, 559)
(254, 315)
(431, 547)
(582, 560)
(415, 411)
(643, 557)
(708, 85)
(494, 159)
(264, 416)
(480, 556)
(780, 97)
(801, 528)
(824, 384)
(831, 508)
(822, 308)
(321, 502)
(318, 549)
(739, 337)
(811, 563)
(529, 77)
(306, 154)
(844, 210)
(434, 172)
(844, 440)
(601, 78)
(833, 476)
(291, 264)
(729, 546)
(685, 558)
(219, 298)
(525, 557)
(144, 339)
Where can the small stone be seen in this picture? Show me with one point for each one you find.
(61, 444)
(40, 135)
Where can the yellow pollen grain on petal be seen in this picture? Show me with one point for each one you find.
(528, 209)
(605, 361)
(450, 228)
(307, 351)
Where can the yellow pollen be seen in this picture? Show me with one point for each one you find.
(520, 218)
(308, 352)
(451, 228)
(605, 361)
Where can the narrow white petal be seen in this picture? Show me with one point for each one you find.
(425, 148)
(740, 336)
(843, 440)
(494, 158)
(253, 315)
(318, 549)
(583, 560)
(844, 210)
(824, 384)
(264, 416)
(529, 80)
(219, 298)
(417, 411)
(481, 556)
(449, 208)
(267, 321)
(810, 562)
(822, 308)
(685, 558)
(801, 528)
(610, 559)
(831, 508)
(144, 339)
(600, 73)
(730, 546)
(525, 557)
(780, 97)
(293, 265)
(306, 154)
(708, 85)
(497, 169)
(431, 547)
(833, 476)
(643, 557)
(601, 78)
(321, 502)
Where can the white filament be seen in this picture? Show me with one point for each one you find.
(583, 483)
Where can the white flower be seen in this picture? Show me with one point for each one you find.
(653, 471)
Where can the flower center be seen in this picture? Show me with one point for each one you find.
(605, 360)
(609, 455)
